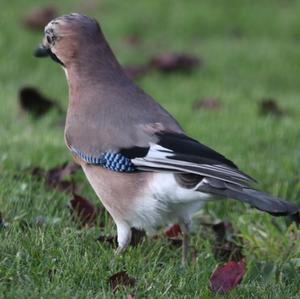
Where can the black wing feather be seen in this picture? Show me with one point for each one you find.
(182, 144)
(179, 153)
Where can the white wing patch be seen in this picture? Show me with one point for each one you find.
(160, 158)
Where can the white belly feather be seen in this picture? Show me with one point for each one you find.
(165, 202)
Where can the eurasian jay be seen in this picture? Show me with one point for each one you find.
(139, 161)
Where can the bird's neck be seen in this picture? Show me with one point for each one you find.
(95, 71)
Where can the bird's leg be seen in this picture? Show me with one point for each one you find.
(124, 236)
(185, 228)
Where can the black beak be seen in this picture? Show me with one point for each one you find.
(41, 51)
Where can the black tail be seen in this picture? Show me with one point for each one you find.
(255, 198)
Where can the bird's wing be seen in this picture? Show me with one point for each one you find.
(180, 153)
(173, 152)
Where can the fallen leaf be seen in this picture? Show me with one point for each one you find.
(170, 62)
(121, 278)
(58, 173)
(33, 102)
(38, 18)
(173, 231)
(227, 277)
(270, 107)
(226, 245)
(209, 103)
(135, 71)
(84, 211)
(130, 296)
(55, 177)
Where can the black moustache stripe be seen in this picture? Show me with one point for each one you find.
(54, 58)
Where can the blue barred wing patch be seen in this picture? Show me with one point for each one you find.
(110, 160)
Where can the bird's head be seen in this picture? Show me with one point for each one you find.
(67, 36)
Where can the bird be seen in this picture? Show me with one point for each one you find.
(140, 162)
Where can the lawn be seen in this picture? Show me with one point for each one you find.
(250, 51)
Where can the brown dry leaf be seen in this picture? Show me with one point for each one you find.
(208, 103)
(121, 278)
(130, 296)
(38, 18)
(55, 177)
(84, 211)
(227, 277)
(170, 62)
(59, 172)
(34, 103)
(270, 107)
(135, 71)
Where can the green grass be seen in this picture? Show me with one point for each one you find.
(250, 50)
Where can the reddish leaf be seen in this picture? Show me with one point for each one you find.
(173, 231)
(83, 210)
(270, 107)
(135, 71)
(38, 18)
(169, 62)
(207, 103)
(227, 277)
(33, 102)
(121, 278)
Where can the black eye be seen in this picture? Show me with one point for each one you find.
(48, 39)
